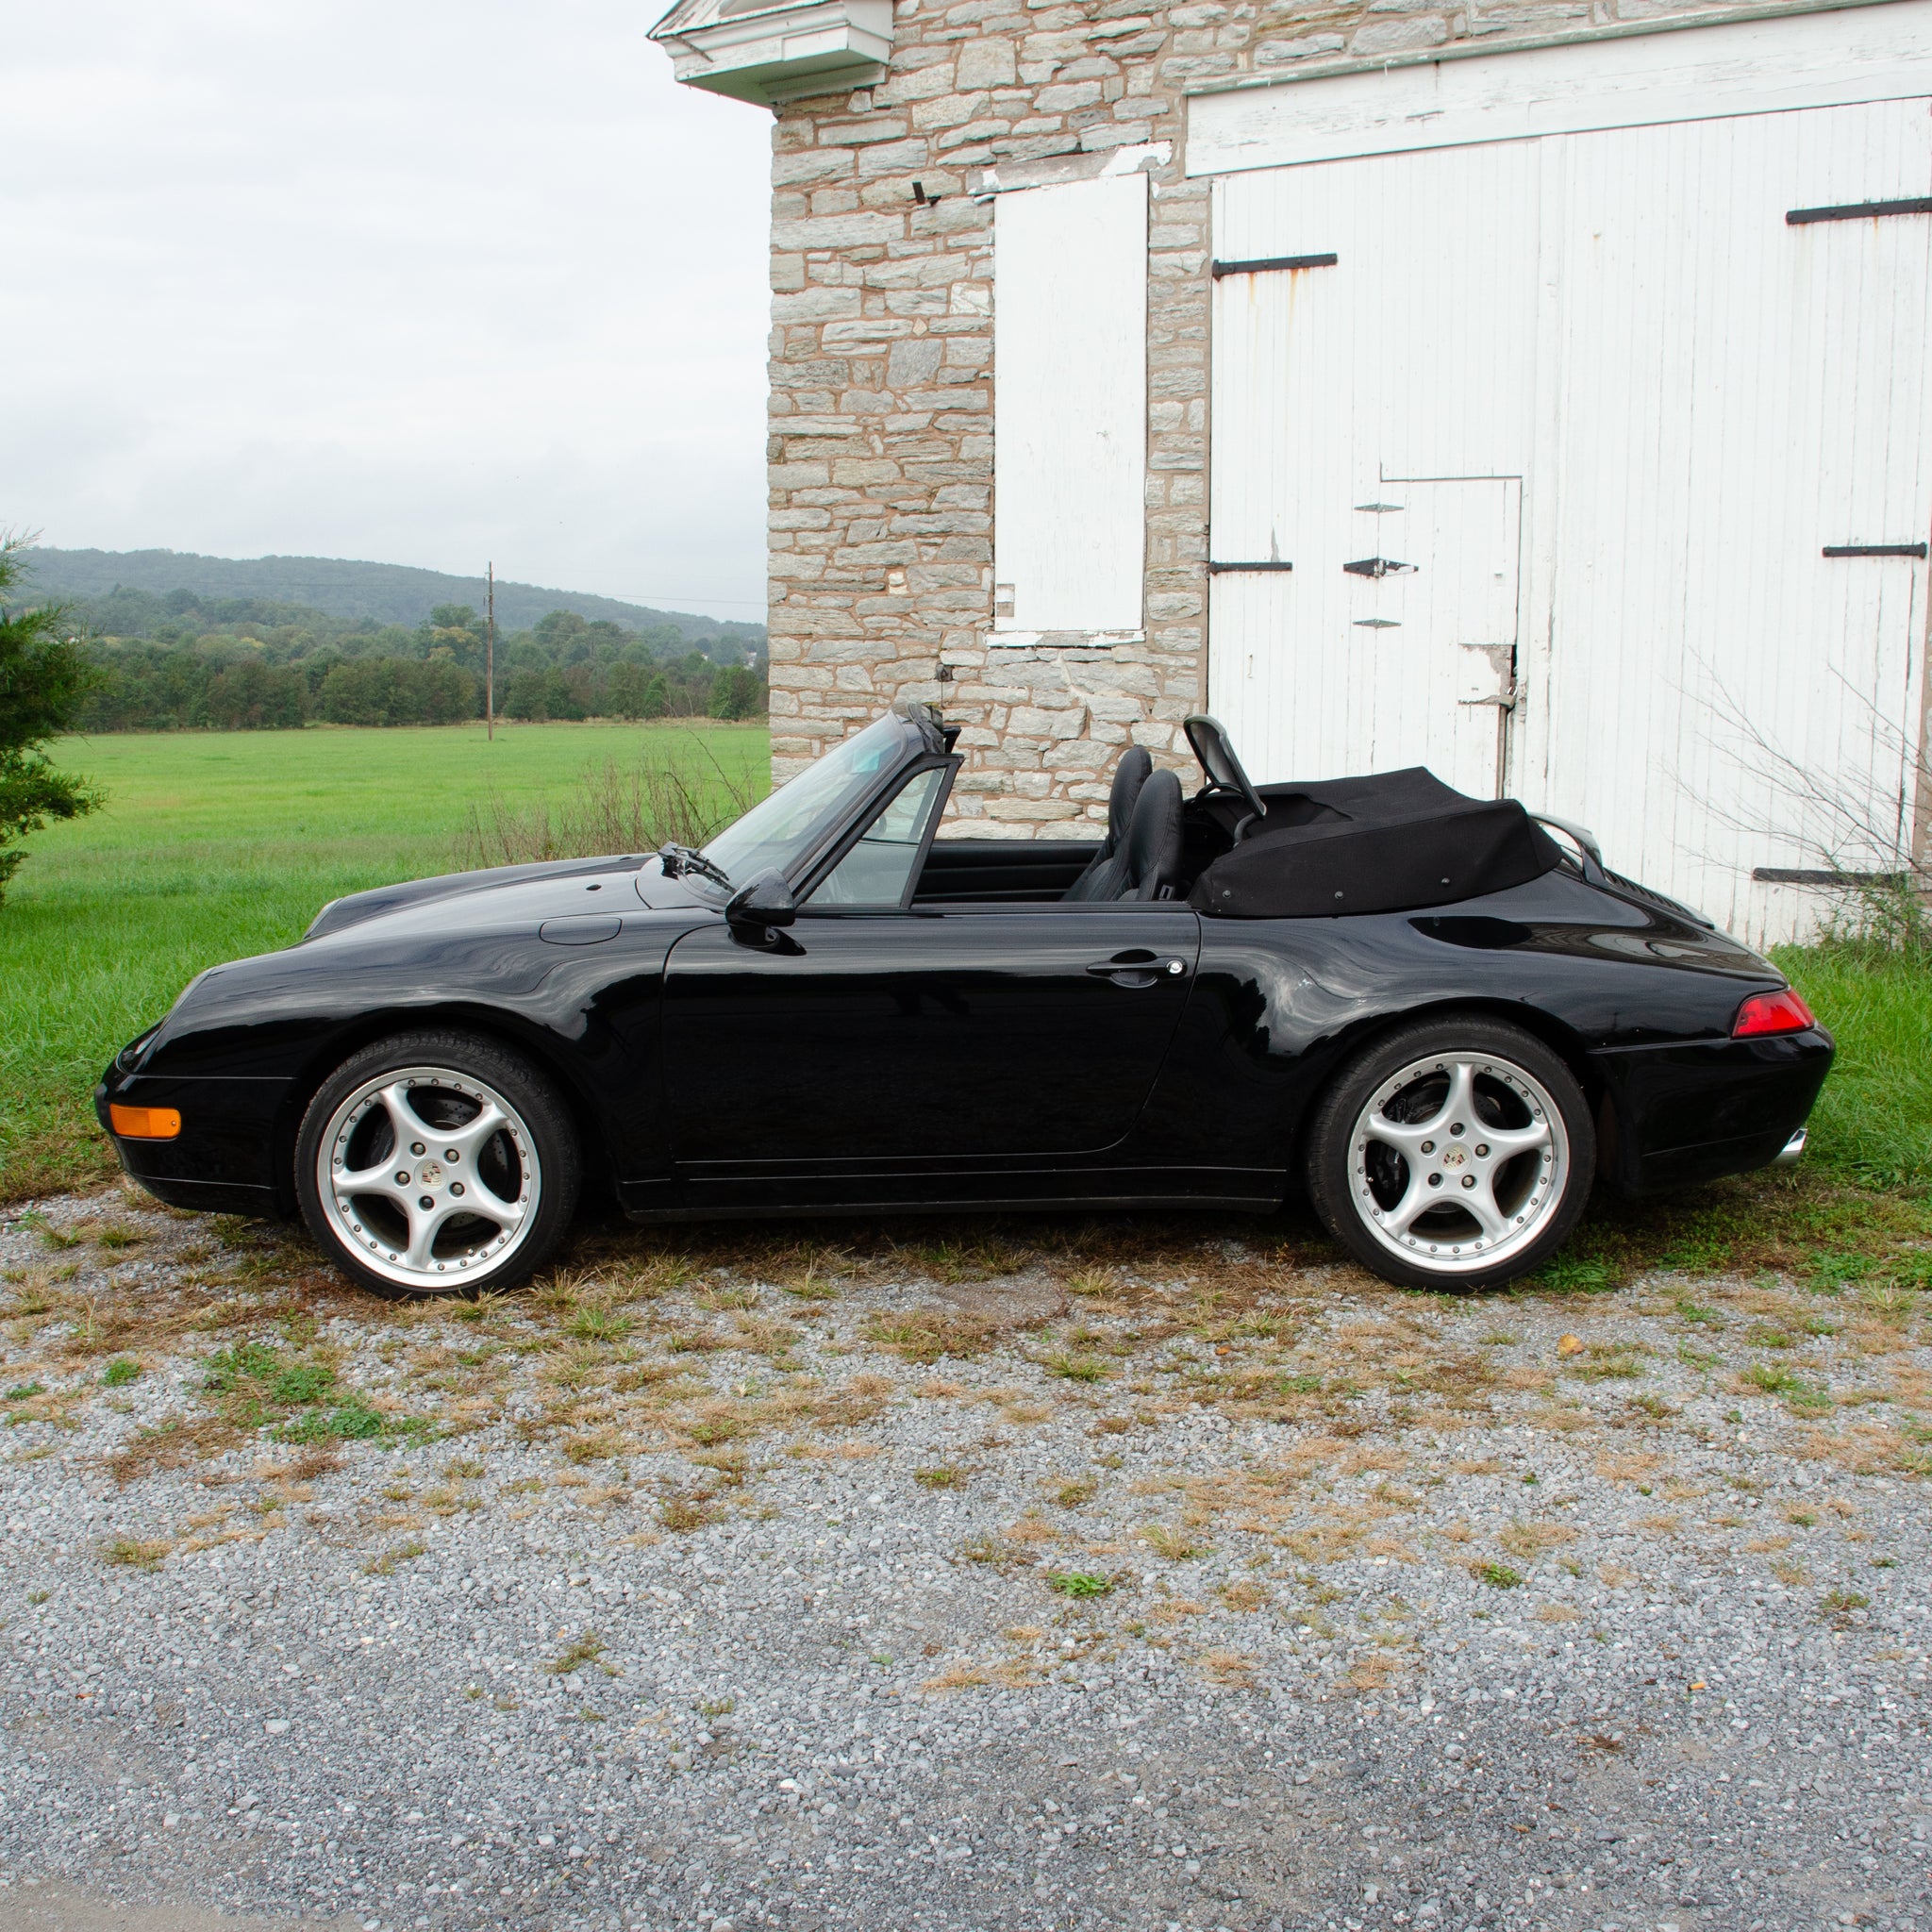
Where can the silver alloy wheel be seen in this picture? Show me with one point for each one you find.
(1457, 1161)
(429, 1175)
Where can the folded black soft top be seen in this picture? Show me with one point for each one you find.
(1384, 842)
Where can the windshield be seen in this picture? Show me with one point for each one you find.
(799, 816)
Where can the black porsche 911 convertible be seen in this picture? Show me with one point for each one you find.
(1439, 1021)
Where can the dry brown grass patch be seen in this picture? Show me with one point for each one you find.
(1532, 1539)
(928, 1335)
(1524, 1378)
(958, 1678)
(594, 1445)
(1245, 1593)
(1372, 1673)
(1172, 1609)
(1175, 1545)
(1558, 1613)
(1562, 1419)
(684, 1510)
(1229, 1667)
(172, 1444)
(1867, 1449)
(1031, 1529)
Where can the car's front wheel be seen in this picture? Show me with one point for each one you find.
(1452, 1154)
(437, 1162)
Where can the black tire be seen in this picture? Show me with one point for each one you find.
(410, 1234)
(1478, 1213)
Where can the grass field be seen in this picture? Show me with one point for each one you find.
(217, 844)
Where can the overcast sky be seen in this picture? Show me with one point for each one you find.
(427, 281)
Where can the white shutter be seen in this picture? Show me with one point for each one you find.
(1070, 408)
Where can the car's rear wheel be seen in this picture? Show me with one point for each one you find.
(1454, 1154)
(437, 1163)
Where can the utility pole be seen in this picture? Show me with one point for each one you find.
(490, 663)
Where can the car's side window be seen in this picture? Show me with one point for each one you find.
(879, 870)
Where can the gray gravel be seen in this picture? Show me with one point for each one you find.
(854, 1697)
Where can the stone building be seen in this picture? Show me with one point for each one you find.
(1406, 381)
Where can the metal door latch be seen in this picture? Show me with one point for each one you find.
(1378, 567)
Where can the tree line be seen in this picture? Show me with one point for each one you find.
(179, 661)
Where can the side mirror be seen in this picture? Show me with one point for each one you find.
(766, 902)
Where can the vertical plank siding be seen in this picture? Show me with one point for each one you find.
(1696, 397)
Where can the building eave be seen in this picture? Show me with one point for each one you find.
(777, 52)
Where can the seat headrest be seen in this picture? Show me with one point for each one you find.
(1128, 777)
(1155, 838)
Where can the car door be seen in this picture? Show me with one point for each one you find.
(946, 1034)
(870, 1033)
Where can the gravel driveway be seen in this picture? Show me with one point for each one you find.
(1132, 1575)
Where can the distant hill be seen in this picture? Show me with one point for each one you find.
(388, 593)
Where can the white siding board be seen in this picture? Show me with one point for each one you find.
(1070, 406)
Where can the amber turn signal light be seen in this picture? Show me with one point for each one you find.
(1772, 1012)
(145, 1122)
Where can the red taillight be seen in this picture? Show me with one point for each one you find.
(1772, 1012)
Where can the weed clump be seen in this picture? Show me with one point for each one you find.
(385, 1565)
(687, 1511)
(1078, 1583)
(586, 1649)
(927, 1335)
(130, 1553)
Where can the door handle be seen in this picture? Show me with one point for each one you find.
(1137, 969)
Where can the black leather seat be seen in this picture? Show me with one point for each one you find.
(1152, 853)
(1106, 870)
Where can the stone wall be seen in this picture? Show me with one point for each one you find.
(881, 426)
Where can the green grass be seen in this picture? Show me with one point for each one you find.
(1873, 1120)
(214, 845)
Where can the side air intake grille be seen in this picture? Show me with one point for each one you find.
(1674, 906)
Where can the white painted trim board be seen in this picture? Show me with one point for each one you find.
(1829, 59)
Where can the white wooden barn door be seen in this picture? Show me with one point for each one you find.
(1612, 406)
(1369, 433)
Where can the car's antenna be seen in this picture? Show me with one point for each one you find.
(489, 662)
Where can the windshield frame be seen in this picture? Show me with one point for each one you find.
(919, 737)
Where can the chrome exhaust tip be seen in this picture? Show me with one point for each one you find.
(1787, 1156)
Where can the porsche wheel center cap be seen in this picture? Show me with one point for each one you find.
(429, 1173)
(1453, 1158)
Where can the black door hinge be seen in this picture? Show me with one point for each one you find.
(1215, 570)
(1378, 567)
(1857, 210)
(1268, 265)
(1875, 550)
